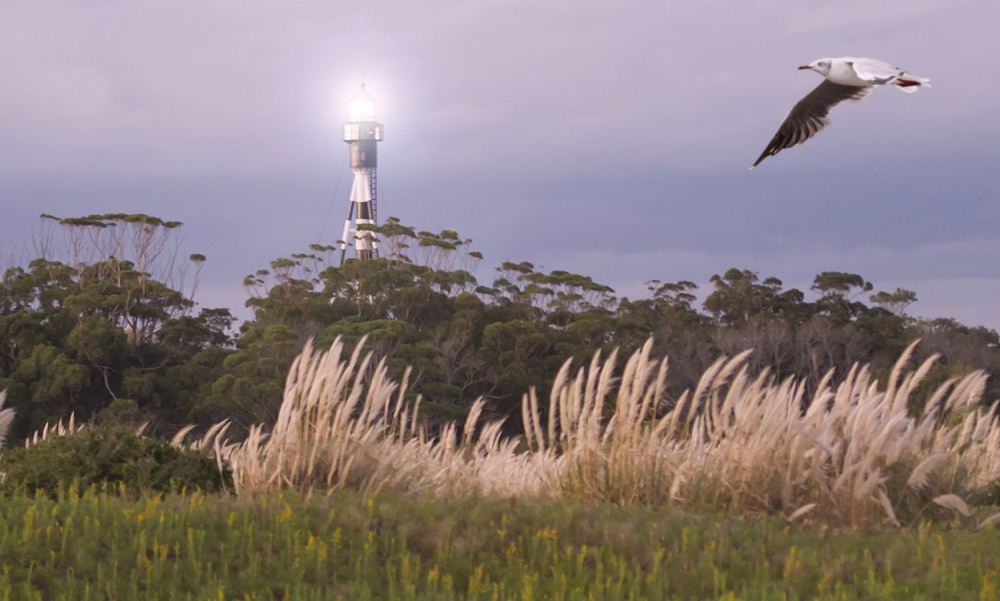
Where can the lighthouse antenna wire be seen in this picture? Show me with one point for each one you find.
(366, 36)
(365, 44)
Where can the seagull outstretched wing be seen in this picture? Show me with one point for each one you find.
(809, 115)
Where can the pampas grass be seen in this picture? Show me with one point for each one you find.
(333, 429)
(6, 417)
(853, 456)
(850, 454)
(342, 424)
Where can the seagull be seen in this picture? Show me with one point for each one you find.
(846, 79)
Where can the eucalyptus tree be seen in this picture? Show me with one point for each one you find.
(101, 315)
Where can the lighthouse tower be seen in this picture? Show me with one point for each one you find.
(363, 133)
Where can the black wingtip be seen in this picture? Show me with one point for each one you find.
(763, 156)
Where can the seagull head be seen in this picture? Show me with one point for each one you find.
(821, 66)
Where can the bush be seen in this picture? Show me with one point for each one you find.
(108, 455)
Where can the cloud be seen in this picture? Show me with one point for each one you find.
(542, 130)
(190, 86)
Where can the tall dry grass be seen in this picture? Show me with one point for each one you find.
(333, 430)
(6, 417)
(850, 455)
(854, 456)
(345, 424)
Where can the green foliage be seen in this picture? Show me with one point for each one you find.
(107, 455)
(896, 302)
(838, 290)
(75, 335)
(421, 306)
(353, 546)
(738, 297)
(121, 412)
(249, 389)
(836, 282)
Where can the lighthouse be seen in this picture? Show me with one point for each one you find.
(363, 134)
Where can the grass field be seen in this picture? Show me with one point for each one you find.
(739, 490)
(351, 545)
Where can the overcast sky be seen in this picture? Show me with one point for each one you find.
(610, 139)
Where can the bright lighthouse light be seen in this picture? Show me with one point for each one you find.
(362, 106)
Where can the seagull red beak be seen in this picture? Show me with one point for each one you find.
(804, 67)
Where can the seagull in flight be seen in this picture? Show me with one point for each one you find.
(846, 79)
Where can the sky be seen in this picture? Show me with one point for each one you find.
(607, 139)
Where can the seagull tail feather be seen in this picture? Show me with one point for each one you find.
(910, 83)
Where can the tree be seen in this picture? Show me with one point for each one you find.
(896, 302)
(738, 297)
(106, 325)
(838, 291)
(96, 318)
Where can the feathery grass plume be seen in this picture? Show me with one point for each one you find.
(801, 511)
(953, 502)
(6, 417)
(70, 428)
(212, 441)
(854, 454)
(849, 455)
(57, 429)
(332, 430)
(990, 521)
(341, 425)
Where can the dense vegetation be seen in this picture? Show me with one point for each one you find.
(102, 323)
(98, 325)
(593, 501)
(107, 457)
(355, 546)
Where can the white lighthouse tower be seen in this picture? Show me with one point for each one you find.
(363, 133)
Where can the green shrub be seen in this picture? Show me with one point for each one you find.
(108, 455)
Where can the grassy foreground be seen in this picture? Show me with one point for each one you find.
(351, 545)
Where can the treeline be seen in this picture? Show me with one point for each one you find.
(102, 324)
